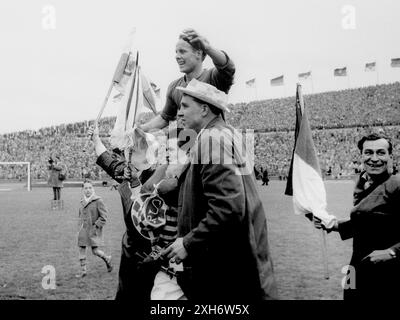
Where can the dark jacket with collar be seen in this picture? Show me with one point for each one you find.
(374, 225)
(135, 280)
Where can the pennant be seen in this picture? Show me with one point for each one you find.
(251, 83)
(135, 96)
(278, 81)
(305, 181)
(370, 66)
(395, 63)
(340, 72)
(304, 75)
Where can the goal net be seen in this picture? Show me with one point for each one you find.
(22, 165)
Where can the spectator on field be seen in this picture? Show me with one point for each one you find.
(257, 173)
(265, 178)
(56, 175)
(92, 219)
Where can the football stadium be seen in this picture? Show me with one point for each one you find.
(79, 173)
(35, 236)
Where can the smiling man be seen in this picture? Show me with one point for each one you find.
(374, 225)
(190, 52)
(375, 155)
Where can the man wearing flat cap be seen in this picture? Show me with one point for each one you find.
(222, 229)
(190, 52)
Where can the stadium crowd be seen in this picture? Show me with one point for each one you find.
(337, 118)
(67, 141)
(336, 148)
(370, 106)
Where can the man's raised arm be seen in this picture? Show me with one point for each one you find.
(154, 124)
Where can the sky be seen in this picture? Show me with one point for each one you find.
(58, 56)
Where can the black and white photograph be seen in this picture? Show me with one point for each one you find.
(225, 154)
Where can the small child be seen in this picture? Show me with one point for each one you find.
(92, 218)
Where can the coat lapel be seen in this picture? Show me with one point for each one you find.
(85, 204)
(364, 197)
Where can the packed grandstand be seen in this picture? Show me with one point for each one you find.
(338, 119)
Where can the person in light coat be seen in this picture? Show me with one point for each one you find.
(92, 219)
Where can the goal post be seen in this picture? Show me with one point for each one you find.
(28, 168)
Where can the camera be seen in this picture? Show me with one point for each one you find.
(50, 160)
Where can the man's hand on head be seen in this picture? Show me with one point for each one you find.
(195, 39)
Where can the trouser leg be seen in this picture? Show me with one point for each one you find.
(82, 260)
(58, 193)
(107, 259)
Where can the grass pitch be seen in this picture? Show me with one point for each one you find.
(33, 236)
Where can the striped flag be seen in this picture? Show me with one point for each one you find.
(251, 83)
(340, 72)
(395, 63)
(370, 66)
(305, 182)
(304, 75)
(134, 98)
(126, 63)
(278, 81)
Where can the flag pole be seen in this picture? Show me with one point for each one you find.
(132, 88)
(105, 102)
(135, 78)
(137, 94)
(100, 113)
(348, 78)
(118, 74)
(312, 84)
(377, 72)
(325, 254)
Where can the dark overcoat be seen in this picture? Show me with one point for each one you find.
(374, 225)
(224, 229)
(54, 171)
(135, 279)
